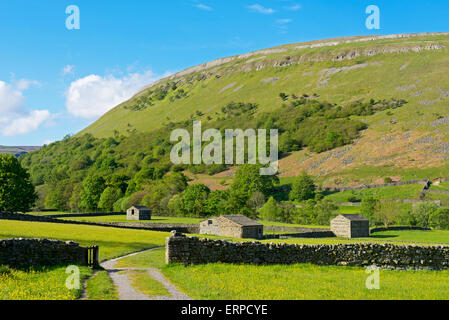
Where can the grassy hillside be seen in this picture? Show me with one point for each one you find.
(350, 111)
(412, 68)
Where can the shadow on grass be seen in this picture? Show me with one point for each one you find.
(383, 236)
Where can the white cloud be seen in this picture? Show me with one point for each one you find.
(294, 7)
(92, 96)
(203, 7)
(25, 84)
(11, 98)
(260, 9)
(14, 119)
(22, 124)
(68, 69)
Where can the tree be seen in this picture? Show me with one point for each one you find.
(75, 199)
(109, 196)
(303, 188)
(247, 181)
(440, 219)
(93, 187)
(16, 190)
(270, 211)
(387, 212)
(288, 211)
(119, 181)
(420, 215)
(283, 96)
(160, 192)
(257, 200)
(217, 203)
(325, 211)
(368, 208)
(305, 214)
(388, 180)
(59, 194)
(194, 200)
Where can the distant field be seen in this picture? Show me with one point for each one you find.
(115, 218)
(411, 191)
(349, 210)
(123, 219)
(433, 237)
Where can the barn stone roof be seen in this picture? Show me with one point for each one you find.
(242, 220)
(141, 208)
(353, 217)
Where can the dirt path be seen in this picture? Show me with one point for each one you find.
(85, 296)
(125, 289)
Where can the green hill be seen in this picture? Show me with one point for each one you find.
(410, 67)
(339, 70)
(351, 111)
(17, 151)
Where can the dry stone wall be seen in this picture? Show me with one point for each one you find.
(24, 253)
(425, 182)
(181, 249)
(163, 227)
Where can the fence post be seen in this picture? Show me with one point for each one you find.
(95, 256)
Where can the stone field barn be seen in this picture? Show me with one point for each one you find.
(350, 226)
(232, 226)
(138, 213)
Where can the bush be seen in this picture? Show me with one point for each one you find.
(440, 219)
(368, 208)
(270, 211)
(325, 210)
(387, 213)
(306, 214)
(121, 205)
(303, 188)
(4, 271)
(354, 197)
(193, 201)
(109, 196)
(420, 215)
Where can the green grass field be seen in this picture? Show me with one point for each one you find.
(38, 284)
(113, 242)
(303, 281)
(115, 218)
(295, 282)
(49, 284)
(149, 259)
(218, 281)
(123, 219)
(426, 238)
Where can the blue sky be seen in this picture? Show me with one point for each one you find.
(55, 81)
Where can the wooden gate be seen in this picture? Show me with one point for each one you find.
(92, 256)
